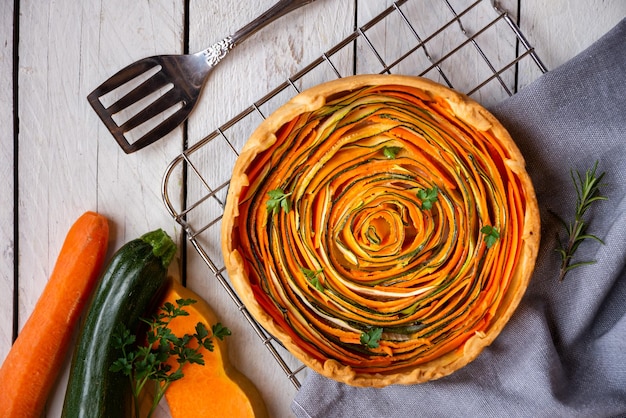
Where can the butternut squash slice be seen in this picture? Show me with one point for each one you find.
(406, 234)
(217, 388)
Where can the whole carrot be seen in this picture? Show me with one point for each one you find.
(35, 359)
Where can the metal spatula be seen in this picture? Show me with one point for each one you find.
(152, 96)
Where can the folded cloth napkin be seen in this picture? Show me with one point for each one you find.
(563, 353)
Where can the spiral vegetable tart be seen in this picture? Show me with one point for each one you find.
(382, 227)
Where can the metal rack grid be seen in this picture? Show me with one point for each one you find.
(434, 52)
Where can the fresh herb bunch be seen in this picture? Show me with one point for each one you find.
(149, 363)
(587, 192)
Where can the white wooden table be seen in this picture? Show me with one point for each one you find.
(57, 160)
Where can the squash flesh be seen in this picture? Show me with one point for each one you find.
(217, 388)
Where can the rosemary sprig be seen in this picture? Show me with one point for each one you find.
(587, 192)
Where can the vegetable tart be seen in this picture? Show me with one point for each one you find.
(382, 227)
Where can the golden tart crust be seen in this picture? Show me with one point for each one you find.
(357, 250)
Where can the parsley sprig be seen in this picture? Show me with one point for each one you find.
(278, 200)
(587, 192)
(148, 363)
(371, 337)
(491, 235)
(428, 197)
(312, 277)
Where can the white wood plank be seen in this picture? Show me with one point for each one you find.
(560, 29)
(6, 177)
(68, 162)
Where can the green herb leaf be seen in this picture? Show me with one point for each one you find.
(491, 235)
(587, 192)
(148, 363)
(312, 277)
(220, 331)
(428, 197)
(371, 337)
(278, 200)
(391, 152)
(122, 365)
(122, 337)
(201, 331)
(208, 344)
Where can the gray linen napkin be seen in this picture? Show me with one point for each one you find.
(563, 354)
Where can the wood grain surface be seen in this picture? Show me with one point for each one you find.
(60, 161)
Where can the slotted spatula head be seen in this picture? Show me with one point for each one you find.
(149, 98)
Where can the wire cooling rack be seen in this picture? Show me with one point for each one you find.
(437, 39)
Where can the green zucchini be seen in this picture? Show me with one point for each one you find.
(128, 289)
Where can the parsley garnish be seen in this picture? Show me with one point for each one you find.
(312, 277)
(278, 199)
(491, 235)
(149, 363)
(391, 152)
(428, 197)
(587, 192)
(371, 337)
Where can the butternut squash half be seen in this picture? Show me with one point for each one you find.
(217, 388)
(383, 227)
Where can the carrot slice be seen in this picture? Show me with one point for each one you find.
(35, 359)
